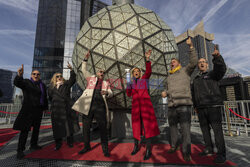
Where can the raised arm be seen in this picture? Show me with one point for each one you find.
(72, 78)
(19, 81)
(148, 72)
(86, 74)
(220, 68)
(193, 58)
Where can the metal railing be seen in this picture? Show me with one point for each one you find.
(232, 123)
(233, 114)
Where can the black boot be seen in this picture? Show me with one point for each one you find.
(148, 152)
(85, 149)
(136, 148)
(105, 150)
(58, 144)
(70, 141)
(20, 155)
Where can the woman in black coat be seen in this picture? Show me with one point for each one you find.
(64, 119)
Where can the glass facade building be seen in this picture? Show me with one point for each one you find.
(58, 24)
(7, 86)
(203, 43)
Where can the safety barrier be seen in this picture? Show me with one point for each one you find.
(235, 116)
(9, 112)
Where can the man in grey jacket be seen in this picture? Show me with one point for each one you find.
(180, 101)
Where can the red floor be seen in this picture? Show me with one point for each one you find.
(6, 135)
(120, 152)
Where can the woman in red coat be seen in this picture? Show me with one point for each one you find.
(143, 116)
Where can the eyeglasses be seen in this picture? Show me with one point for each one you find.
(102, 72)
(36, 74)
(59, 76)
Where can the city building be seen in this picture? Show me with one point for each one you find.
(203, 42)
(7, 86)
(58, 24)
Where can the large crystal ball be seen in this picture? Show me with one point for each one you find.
(118, 37)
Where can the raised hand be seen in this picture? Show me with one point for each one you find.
(189, 42)
(69, 66)
(148, 54)
(87, 55)
(20, 71)
(216, 52)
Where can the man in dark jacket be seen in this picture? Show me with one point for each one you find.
(207, 100)
(30, 115)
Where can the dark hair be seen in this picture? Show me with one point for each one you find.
(35, 70)
(175, 59)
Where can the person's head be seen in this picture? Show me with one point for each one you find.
(174, 63)
(57, 77)
(136, 73)
(202, 65)
(100, 74)
(35, 75)
(164, 94)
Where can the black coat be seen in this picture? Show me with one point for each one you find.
(205, 89)
(64, 119)
(31, 111)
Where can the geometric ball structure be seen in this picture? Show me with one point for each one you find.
(118, 37)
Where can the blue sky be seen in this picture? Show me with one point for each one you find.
(229, 20)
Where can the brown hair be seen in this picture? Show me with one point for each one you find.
(175, 59)
(133, 71)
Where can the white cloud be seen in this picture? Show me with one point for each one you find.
(235, 50)
(212, 11)
(30, 6)
(7, 32)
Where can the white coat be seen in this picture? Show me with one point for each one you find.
(83, 104)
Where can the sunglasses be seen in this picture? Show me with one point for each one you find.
(102, 72)
(59, 76)
(36, 74)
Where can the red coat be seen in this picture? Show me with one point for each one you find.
(142, 107)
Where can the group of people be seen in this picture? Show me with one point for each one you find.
(203, 95)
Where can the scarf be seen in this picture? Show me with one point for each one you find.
(41, 88)
(58, 84)
(174, 70)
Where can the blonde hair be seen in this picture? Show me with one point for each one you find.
(133, 71)
(53, 79)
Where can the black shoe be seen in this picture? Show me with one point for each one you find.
(206, 152)
(148, 154)
(136, 149)
(173, 149)
(58, 146)
(35, 147)
(187, 157)
(220, 159)
(20, 155)
(70, 145)
(105, 150)
(70, 141)
(84, 150)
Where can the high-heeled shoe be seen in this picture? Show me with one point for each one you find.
(136, 148)
(148, 153)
